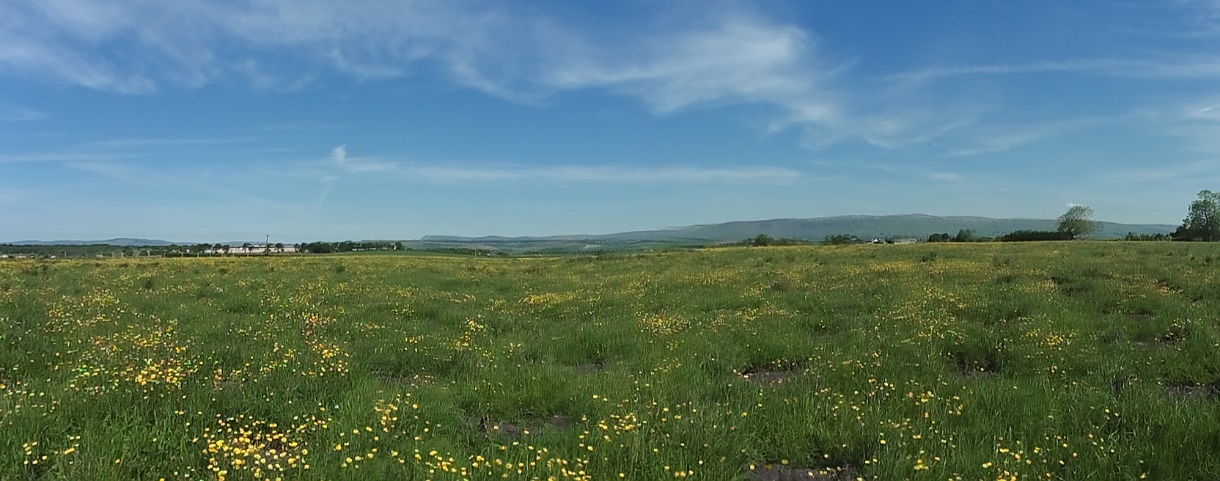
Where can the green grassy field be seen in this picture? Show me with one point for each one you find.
(985, 361)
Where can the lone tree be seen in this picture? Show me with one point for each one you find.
(1078, 221)
(1203, 220)
(762, 240)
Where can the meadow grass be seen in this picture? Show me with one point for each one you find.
(983, 361)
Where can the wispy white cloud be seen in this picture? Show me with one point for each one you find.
(998, 138)
(356, 165)
(1203, 18)
(944, 105)
(1207, 111)
(195, 43)
(343, 165)
(339, 154)
(65, 156)
(740, 60)
(328, 183)
(161, 179)
(447, 173)
(26, 56)
(1161, 66)
(122, 149)
(1201, 171)
(934, 73)
(18, 114)
(14, 196)
(601, 174)
(119, 144)
(121, 172)
(729, 57)
(297, 127)
(709, 56)
(1193, 123)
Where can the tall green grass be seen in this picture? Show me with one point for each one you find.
(984, 361)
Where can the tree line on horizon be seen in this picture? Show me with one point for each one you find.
(1202, 224)
(349, 246)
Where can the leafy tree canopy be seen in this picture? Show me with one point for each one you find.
(1078, 221)
(1203, 220)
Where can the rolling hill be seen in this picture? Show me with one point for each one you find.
(814, 229)
(121, 242)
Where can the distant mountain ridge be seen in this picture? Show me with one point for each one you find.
(918, 226)
(816, 229)
(121, 241)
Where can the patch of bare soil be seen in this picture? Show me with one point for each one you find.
(1190, 390)
(1120, 384)
(1135, 314)
(1169, 287)
(1069, 287)
(971, 364)
(514, 431)
(590, 367)
(782, 284)
(770, 377)
(404, 380)
(777, 372)
(1173, 335)
(777, 472)
(226, 384)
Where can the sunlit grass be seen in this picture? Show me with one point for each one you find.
(989, 361)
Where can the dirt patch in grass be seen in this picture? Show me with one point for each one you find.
(514, 431)
(403, 380)
(1190, 390)
(977, 363)
(1140, 313)
(227, 384)
(1135, 314)
(1168, 286)
(770, 377)
(1110, 337)
(590, 367)
(1153, 344)
(979, 372)
(1176, 332)
(1070, 287)
(1172, 335)
(782, 284)
(772, 373)
(779, 472)
(1006, 278)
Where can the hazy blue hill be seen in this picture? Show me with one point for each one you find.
(863, 226)
(914, 225)
(815, 229)
(122, 242)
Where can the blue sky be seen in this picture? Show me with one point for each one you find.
(310, 120)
